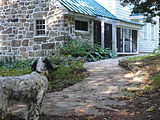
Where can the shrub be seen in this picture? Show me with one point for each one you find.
(10, 66)
(98, 53)
(87, 50)
(67, 71)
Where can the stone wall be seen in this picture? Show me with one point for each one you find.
(17, 27)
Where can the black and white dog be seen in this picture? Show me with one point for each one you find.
(29, 89)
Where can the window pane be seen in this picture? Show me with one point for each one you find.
(37, 32)
(134, 40)
(81, 25)
(37, 21)
(40, 27)
(43, 27)
(119, 40)
(43, 32)
(37, 27)
(43, 22)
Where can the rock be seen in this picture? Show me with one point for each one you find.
(48, 46)
(25, 42)
(16, 43)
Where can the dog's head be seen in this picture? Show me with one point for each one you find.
(42, 65)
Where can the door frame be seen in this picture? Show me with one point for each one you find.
(131, 42)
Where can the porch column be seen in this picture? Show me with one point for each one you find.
(92, 32)
(114, 38)
(138, 41)
(102, 34)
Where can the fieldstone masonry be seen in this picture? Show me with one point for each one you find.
(17, 27)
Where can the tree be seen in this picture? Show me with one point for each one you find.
(149, 8)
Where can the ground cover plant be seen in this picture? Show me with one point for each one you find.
(87, 50)
(146, 99)
(67, 70)
(10, 66)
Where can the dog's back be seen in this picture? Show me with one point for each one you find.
(23, 87)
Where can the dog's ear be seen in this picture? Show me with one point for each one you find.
(48, 64)
(34, 65)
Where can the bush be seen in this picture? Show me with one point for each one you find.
(10, 66)
(86, 50)
(98, 53)
(67, 71)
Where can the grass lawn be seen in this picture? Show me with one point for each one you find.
(143, 57)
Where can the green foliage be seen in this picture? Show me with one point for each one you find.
(148, 8)
(98, 53)
(67, 71)
(155, 81)
(86, 50)
(10, 66)
(68, 63)
(142, 57)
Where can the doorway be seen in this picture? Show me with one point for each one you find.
(97, 33)
(108, 36)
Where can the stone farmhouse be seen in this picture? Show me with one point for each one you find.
(32, 28)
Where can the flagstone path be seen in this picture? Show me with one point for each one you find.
(93, 95)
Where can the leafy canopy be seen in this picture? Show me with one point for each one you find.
(149, 8)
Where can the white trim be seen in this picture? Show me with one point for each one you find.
(40, 36)
(127, 53)
(128, 26)
(92, 32)
(81, 31)
(114, 38)
(102, 34)
(137, 17)
(131, 42)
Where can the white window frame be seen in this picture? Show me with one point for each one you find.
(35, 26)
(121, 27)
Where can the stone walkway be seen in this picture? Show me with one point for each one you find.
(94, 95)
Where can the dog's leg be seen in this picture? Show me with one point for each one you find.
(34, 109)
(3, 103)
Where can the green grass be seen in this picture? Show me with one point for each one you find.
(142, 57)
(15, 68)
(155, 81)
(14, 72)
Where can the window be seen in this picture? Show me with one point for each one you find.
(81, 25)
(40, 27)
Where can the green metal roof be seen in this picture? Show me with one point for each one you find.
(90, 7)
(87, 7)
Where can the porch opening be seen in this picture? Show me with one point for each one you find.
(108, 36)
(97, 33)
(126, 40)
